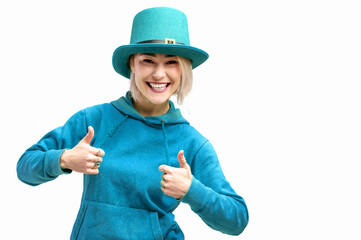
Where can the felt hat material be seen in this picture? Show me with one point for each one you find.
(158, 30)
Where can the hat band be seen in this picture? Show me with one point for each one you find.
(166, 41)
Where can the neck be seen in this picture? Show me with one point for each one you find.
(147, 109)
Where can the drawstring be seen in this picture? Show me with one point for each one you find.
(165, 143)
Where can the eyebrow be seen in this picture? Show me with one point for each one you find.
(153, 55)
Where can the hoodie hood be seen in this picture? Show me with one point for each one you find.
(173, 116)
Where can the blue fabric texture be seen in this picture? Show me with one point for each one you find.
(125, 200)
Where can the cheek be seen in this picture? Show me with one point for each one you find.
(142, 69)
(176, 76)
(138, 80)
(140, 76)
(176, 80)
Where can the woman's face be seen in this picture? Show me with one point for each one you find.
(157, 76)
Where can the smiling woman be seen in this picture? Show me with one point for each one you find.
(139, 156)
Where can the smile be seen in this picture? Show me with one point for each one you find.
(158, 87)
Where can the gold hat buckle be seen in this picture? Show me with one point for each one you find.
(169, 41)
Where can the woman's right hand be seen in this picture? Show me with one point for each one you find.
(83, 158)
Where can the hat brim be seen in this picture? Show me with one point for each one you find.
(122, 54)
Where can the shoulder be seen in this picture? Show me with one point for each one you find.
(101, 112)
(192, 140)
(190, 132)
(100, 109)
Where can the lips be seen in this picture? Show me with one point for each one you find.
(158, 87)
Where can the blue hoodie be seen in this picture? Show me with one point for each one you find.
(125, 200)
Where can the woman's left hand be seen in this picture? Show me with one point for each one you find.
(176, 181)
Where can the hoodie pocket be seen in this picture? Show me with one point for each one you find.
(105, 221)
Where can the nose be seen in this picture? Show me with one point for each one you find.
(159, 72)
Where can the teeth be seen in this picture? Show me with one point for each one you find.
(158, 86)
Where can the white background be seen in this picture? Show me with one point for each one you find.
(279, 98)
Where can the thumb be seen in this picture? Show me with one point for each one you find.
(182, 160)
(87, 139)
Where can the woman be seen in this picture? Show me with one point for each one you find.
(139, 156)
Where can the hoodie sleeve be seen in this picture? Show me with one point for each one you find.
(40, 163)
(211, 196)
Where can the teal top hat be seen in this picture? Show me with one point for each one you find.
(158, 30)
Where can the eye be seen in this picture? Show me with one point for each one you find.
(147, 60)
(172, 62)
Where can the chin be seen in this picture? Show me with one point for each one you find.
(158, 100)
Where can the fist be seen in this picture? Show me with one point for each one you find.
(176, 181)
(83, 158)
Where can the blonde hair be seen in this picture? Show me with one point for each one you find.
(185, 85)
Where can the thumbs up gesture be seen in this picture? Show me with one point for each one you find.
(176, 181)
(83, 158)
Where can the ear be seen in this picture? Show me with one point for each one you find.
(131, 63)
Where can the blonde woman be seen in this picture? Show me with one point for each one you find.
(139, 156)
